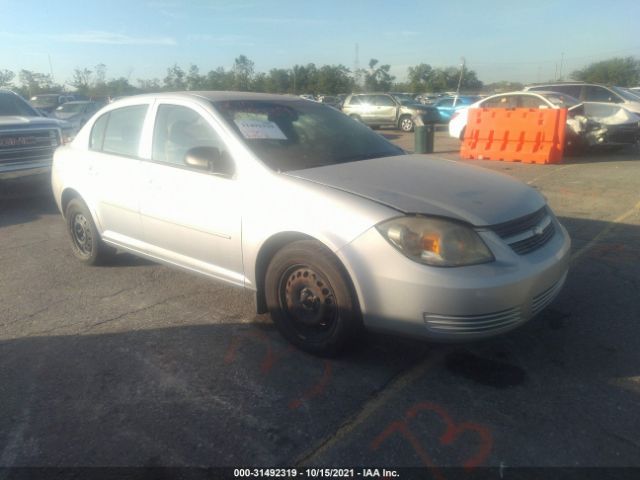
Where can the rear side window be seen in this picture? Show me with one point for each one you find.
(600, 94)
(529, 101)
(97, 132)
(573, 90)
(504, 101)
(122, 130)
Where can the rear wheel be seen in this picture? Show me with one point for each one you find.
(85, 239)
(310, 298)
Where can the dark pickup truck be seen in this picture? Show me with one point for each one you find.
(27, 139)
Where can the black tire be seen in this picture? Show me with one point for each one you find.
(86, 244)
(462, 132)
(310, 298)
(406, 123)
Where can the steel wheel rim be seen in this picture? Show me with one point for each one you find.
(309, 302)
(81, 234)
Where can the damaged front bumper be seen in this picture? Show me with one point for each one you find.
(593, 124)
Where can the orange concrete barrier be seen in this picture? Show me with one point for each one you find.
(515, 134)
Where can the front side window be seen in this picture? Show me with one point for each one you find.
(177, 130)
(294, 135)
(123, 129)
(384, 101)
(447, 102)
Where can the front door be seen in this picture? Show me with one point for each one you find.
(191, 216)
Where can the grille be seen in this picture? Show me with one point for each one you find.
(473, 324)
(528, 233)
(543, 299)
(26, 146)
(519, 225)
(534, 242)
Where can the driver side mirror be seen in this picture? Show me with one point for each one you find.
(209, 159)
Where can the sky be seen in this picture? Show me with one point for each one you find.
(139, 39)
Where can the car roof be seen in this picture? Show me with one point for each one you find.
(215, 96)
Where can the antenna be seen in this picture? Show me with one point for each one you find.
(356, 66)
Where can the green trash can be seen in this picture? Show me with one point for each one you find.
(424, 132)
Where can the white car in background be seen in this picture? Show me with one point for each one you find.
(589, 124)
(458, 122)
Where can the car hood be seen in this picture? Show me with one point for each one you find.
(415, 184)
(66, 115)
(10, 121)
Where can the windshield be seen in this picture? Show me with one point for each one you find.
(294, 135)
(561, 100)
(71, 108)
(627, 94)
(43, 101)
(13, 105)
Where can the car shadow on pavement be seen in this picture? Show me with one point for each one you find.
(603, 155)
(22, 208)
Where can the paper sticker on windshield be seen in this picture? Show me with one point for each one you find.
(251, 129)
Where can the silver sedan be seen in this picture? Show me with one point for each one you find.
(333, 227)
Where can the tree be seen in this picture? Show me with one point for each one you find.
(33, 83)
(195, 81)
(333, 79)
(279, 80)
(175, 79)
(624, 72)
(242, 73)
(419, 77)
(149, 86)
(304, 77)
(218, 79)
(82, 80)
(378, 78)
(6, 77)
(120, 86)
(503, 86)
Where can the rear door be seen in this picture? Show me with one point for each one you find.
(114, 172)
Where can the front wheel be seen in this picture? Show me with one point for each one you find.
(85, 239)
(310, 298)
(406, 124)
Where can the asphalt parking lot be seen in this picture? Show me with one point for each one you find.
(136, 364)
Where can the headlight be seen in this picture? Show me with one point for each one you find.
(67, 136)
(434, 241)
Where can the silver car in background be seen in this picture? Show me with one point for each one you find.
(332, 226)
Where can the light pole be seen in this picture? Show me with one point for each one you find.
(455, 99)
